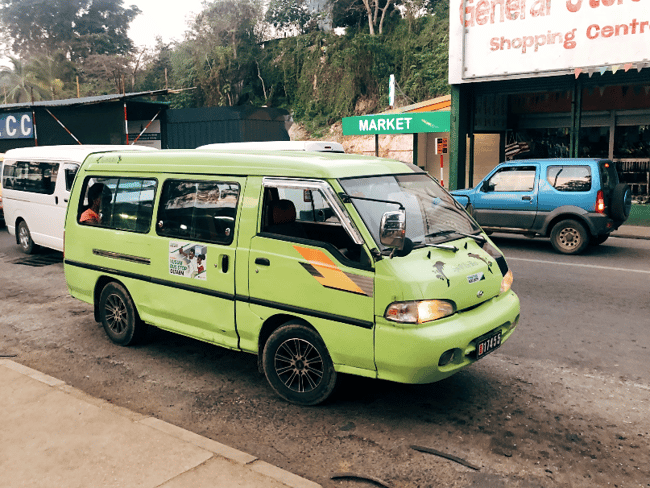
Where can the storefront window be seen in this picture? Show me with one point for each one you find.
(545, 143)
(593, 142)
(632, 142)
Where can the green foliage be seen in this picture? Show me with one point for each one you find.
(324, 77)
(79, 28)
(291, 16)
(41, 78)
(320, 77)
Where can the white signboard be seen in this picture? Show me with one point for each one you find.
(145, 133)
(524, 38)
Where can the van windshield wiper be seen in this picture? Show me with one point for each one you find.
(478, 238)
(440, 233)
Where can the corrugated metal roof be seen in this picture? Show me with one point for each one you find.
(70, 102)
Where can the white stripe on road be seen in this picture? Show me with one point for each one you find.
(580, 265)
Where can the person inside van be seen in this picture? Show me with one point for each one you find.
(91, 215)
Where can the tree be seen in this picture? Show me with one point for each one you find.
(53, 74)
(223, 44)
(229, 23)
(18, 84)
(292, 16)
(373, 8)
(348, 12)
(79, 28)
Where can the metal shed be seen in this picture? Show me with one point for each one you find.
(192, 127)
(88, 120)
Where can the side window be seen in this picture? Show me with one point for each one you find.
(519, 178)
(70, 172)
(34, 177)
(118, 203)
(569, 178)
(200, 210)
(303, 213)
(8, 175)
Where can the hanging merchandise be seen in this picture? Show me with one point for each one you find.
(515, 146)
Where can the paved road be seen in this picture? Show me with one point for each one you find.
(590, 311)
(546, 410)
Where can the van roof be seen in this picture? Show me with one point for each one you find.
(315, 146)
(248, 163)
(75, 153)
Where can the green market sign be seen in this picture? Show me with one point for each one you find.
(406, 123)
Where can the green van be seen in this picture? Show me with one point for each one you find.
(319, 263)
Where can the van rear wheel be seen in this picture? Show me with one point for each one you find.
(297, 365)
(119, 317)
(25, 238)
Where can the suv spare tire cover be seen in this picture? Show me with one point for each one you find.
(621, 203)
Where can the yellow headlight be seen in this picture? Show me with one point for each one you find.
(418, 312)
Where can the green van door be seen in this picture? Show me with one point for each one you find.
(195, 258)
(304, 261)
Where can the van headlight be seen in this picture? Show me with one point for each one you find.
(506, 282)
(419, 311)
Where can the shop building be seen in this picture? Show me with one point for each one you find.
(550, 79)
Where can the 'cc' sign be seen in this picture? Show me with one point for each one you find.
(16, 125)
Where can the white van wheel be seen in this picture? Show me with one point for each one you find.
(25, 238)
(119, 317)
(298, 366)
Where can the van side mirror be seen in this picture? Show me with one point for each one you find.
(392, 229)
(485, 187)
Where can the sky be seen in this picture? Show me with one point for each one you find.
(161, 18)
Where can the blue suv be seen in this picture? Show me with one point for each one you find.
(575, 202)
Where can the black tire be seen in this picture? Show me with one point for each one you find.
(119, 317)
(598, 240)
(25, 238)
(569, 237)
(297, 365)
(621, 202)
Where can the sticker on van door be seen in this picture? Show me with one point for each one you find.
(188, 259)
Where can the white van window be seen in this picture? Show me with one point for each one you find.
(31, 177)
(200, 210)
(118, 203)
(69, 177)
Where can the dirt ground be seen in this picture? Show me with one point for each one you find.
(521, 423)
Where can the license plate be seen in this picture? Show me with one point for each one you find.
(488, 345)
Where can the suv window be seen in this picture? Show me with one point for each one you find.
(126, 203)
(200, 210)
(608, 175)
(569, 178)
(517, 178)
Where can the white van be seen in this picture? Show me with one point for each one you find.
(311, 146)
(36, 184)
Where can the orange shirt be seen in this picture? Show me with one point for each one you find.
(89, 217)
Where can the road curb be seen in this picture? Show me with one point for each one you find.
(623, 236)
(216, 448)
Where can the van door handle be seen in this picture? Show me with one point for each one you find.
(526, 197)
(56, 200)
(262, 261)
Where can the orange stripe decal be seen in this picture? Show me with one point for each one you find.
(331, 274)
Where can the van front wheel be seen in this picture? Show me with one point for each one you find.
(25, 238)
(119, 317)
(298, 366)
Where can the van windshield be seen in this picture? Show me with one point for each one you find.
(432, 215)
